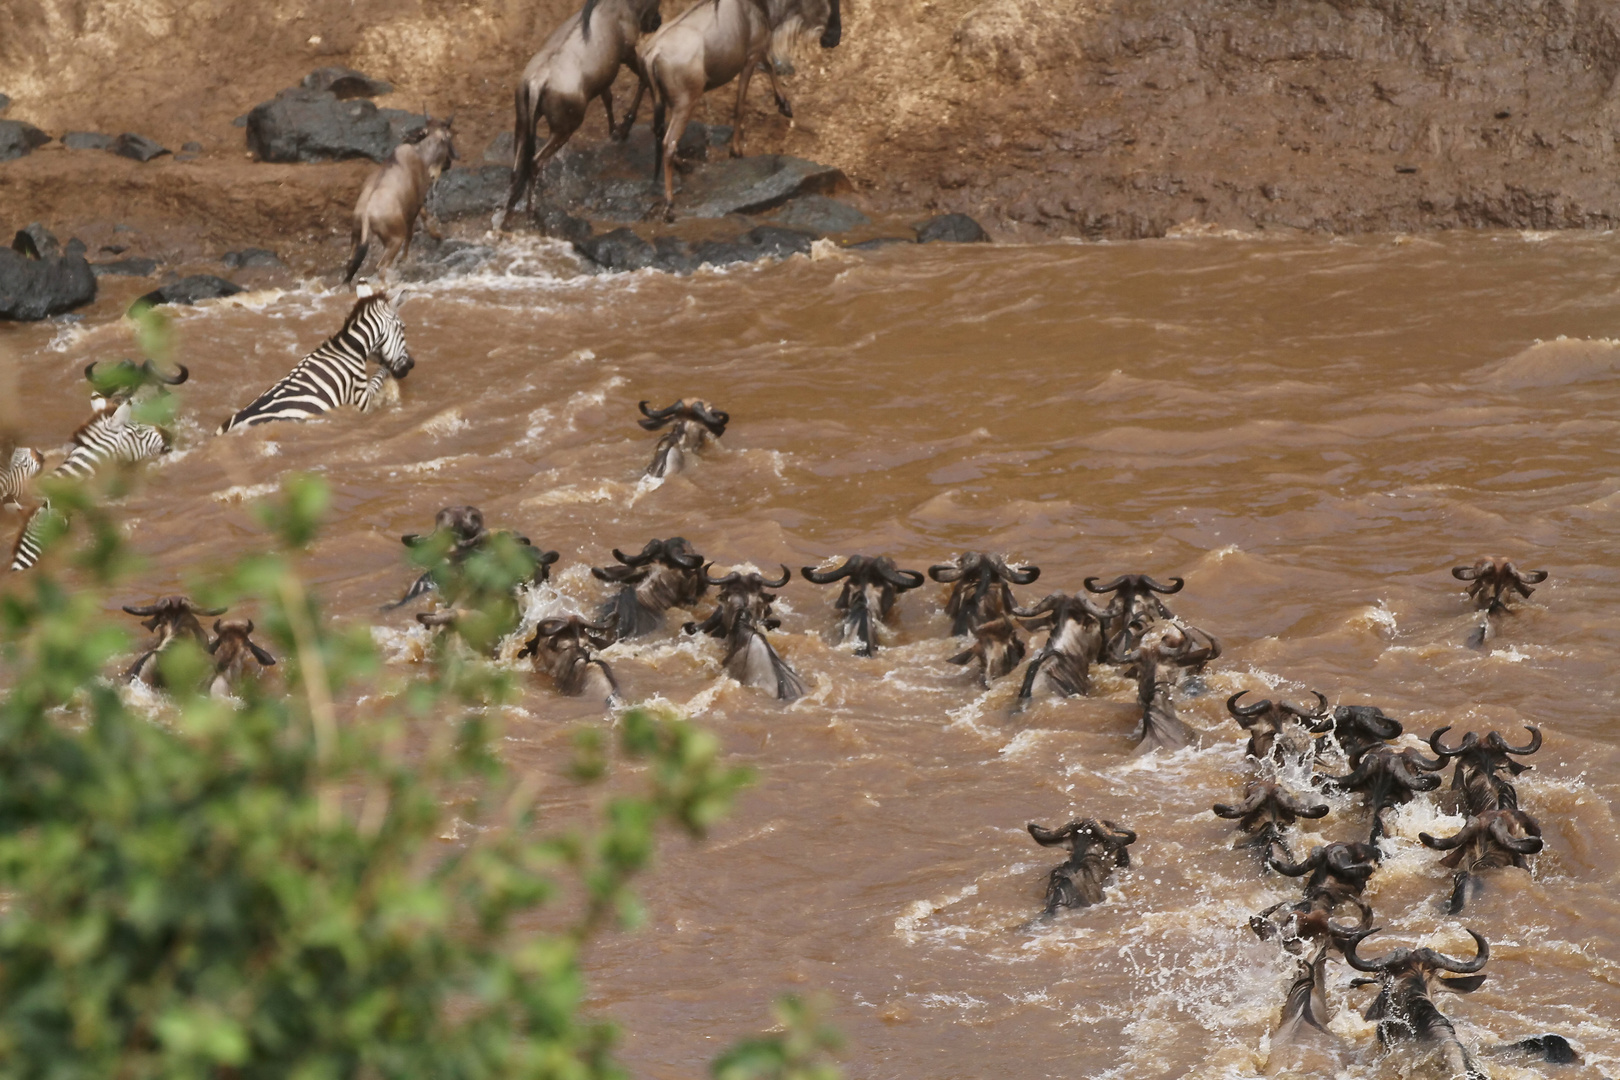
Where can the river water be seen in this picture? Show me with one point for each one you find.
(1311, 432)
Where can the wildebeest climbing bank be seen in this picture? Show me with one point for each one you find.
(1133, 483)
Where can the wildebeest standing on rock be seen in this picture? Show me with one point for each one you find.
(667, 573)
(693, 424)
(1477, 764)
(578, 63)
(1096, 847)
(741, 616)
(1404, 1008)
(1266, 810)
(565, 650)
(232, 648)
(394, 194)
(980, 588)
(712, 43)
(1489, 840)
(870, 587)
(1074, 642)
(1165, 655)
(1279, 731)
(171, 618)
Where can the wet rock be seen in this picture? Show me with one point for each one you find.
(345, 83)
(138, 147)
(675, 255)
(252, 258)
(114, 249)
(313, 125)
(240, 121)
(565, 226)
(879, 242)
(754, 184)
(405, 126)
(620, 249)
(5, 103)
(776, 242)
(44, 242)
(461, 193)
(449, 258)
(32, 289)
(87, 140)
(132, 267)
(951, 229)
(499, 150)
(189, 290)
(75, 249)
(18, 139)
(821, 214)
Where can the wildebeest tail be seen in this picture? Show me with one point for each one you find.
(524, 109)
(354, 263)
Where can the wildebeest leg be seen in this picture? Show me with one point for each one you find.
(742, 93)
(782, 104)
(430, 227)
(392, 251)
(561, 131)
(681, 113)
(622, 132)
(607, 104)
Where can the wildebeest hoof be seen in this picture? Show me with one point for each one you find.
(736, 151)
(784, 108)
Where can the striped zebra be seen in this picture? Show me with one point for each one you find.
(335, 374)
(25, 465)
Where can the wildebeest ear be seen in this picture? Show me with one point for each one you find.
(1465, 985)
(960, 658)
(1123, 858)
(262, 656)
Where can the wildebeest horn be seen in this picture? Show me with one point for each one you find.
(1299, 869)
(727, 580)
(1438, 745)
(1459, 967)
(1446, 843)
(1528, 577)
(1049, 837)
(900, 579)
(1315, 714)
(1527, 845)
(945, 573)
(787, 576)
(1251, 802)
(1340, 931)
(195, 610)
(679, 552)
(825, 577)
(833, 32)
(1023, 575)
(659, 415)
(1174, 586)
(141, 612)
(1246, 710)
(1465, 573)
(1121, 832)
(648, 554)
(1342, 862)
(1353, 941)
(1528, 748)
(1046, 604)
(713, 417)
(185, 374)
(1092, 586)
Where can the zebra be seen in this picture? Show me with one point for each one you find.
(335, 374)
(25, 465)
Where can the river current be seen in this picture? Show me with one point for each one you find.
(1311, 432)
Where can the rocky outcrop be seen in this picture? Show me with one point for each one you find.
(622, 249)
(32, 289)
(137, 147)
(304, 125)
(345, 83)
(18, 139)
(189, 290)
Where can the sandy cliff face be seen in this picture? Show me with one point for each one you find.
(1087, 117)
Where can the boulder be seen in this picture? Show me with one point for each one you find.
(620, 249)
(878, 242)
(87, 140)
(761, 242)
(461, 193)
(403, 125)
(951, 229)
(18, 139)
(5, 103)
(189, 290)
(313, 125)
(751, 185)
(75, 249)
(132, 267)
(345, 83)
(675, 255)
(32, 289)
(138, 147)
(432, 259)
(565, 226)
(252, 258)
(46, 246)
(499, 150)
(821, 214)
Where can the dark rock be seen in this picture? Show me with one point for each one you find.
(345, 83)
(186, 157)
(754, 184)
(951, 229)
(45, 242)
(75, 248)
(133, 267)
(240, 121)
(675, 255)
(114, 249)
(449, 258)
(721, 253)
(189, 290)
(777, 242)
(5, 103)
(18, 139)
(313, 125)
(620, 249)
(822, 214)
(499, 150)
(251, 258)
(565, 226)
(878, 242)
(192, 147)
(405, 126)
(138, 147)
(87, 140)
(32, 289)
(461, 193)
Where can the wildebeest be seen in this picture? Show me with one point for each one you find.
(995, 651)
(113, 384)
(1161, 661)
(565, 650)
(231, 649)
(1134, 599)
(1279, 731)
(694, 424)
(1359, 728)
(1096, 846)
(1074, 642)
(980, 588)
(741, 616)
(1338, 874)
(577, 64)
(1266, 810)
(170, 618)
(1389, 777)
(867, 599)
(1404, 1008)
(24, 466)
(667, 573)
(710, 44)
(458, 533)
(394, 195)
(1492, 582)
(1489, 840)
(1477, 764)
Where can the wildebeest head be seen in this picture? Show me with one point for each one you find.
(1359, 728)
(666, 574)
(1404, 1009)
(1479, 762)
(1270, 725)
(1095, 846)
(980, 588)
(1488, 840)
(870, 585)
(170, 617)
(1342, 868)
(231, 648)
(1134, 596)
(1074, 643)
(741, 616)
(437, 145)
(462, 527)
(995, 651)
(1490, 579)
(692, 422)
(1268, 808)
(1389, 777)
(565, 650)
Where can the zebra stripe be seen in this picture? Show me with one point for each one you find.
(26, 551)
(25, 465)
(335, 374)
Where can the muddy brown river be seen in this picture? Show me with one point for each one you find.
(1311, 432)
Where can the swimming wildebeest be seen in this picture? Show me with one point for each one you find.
(667, 573)
(1134, 600)
(1491, 584)
(867, 598)
(1389, 777)
(1489, 840)
(113, 384)
(231, 649)
(708, 45)
(1095, 847)
(1279, 731)
(695, 426)
(741, 616)
(1359, 728)
(1477, 764)
(995, 651)
(1404, 1009)
(394, 194)
(1266, 810)
(1073, 643)
(1161, 661)
(565, 650)
(577, 64)
(459, 533)
(171, 618)
(980, 588)
(1338, 874)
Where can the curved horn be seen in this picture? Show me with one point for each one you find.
(1049, 837)
(1300, 808)
(1342, 861)
(1525, 845)
(656, 418)
(900, 579)
(1528, 748)
(1315, 714)
(825, 577)
(1251, 802)
(714, 418)
(945, 573)
(787, 576)
(142, 612)
(1530, 577)
(1244, 711)
(1446, 843)
(653, 549)
(185, 373)
(1350, 944)
(1046, 604)
(727, 580)
(88, 370)
(1339, 930)
(1023, 575)
(1460, 967)
(1437, 744)
(1465, 573)
(679, 552)
(1092, 586)
(1175, 585)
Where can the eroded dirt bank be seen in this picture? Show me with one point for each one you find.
(1096, 119)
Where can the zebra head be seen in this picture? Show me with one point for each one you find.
(389, 347)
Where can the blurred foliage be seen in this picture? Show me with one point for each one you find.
(797, 1051)
(269, 887)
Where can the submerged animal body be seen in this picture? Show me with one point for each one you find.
(170, 618)
(565, 650)
(1388, 777)
(459, 533)
(1335, 876)
(980, 588)
(1096, 846)
(1074, 642)
(394, 194)
(1161, 661)
(1279, 731)
(1135, 603)
(871, 584)
(667, 573)
(1479, 763)
(1359, 728)
(1492, 839)
(1405, 1009)
(693, 424)
(996, 650)
(334, 375)
(1266, 810)
(232, 648)
(741, 617)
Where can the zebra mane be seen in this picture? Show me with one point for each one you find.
(107, 416)
(361, 306)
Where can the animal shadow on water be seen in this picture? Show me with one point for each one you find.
(1096, 847)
